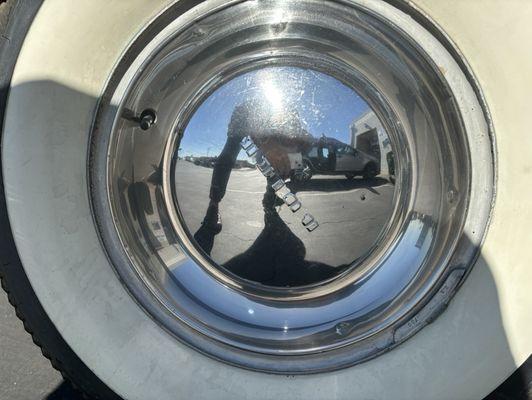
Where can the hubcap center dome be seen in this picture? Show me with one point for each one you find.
(284, 176)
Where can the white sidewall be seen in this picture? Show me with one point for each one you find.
(63, 67)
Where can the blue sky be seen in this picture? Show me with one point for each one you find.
(324, 104)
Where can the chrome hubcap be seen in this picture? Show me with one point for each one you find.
(195, 155)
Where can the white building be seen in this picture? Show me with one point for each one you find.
(369, 136)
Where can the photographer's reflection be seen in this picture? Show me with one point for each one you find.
(277, 256)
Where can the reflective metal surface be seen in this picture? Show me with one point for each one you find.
(265, 177)
(282, 184)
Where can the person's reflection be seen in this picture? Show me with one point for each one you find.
(277, 257)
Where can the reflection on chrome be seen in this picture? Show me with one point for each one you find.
(282, 121)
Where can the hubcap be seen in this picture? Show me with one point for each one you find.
(203, 128)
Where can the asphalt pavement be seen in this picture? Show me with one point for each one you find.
(351, 213)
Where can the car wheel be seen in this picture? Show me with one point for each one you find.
(99, 213)
(302, 175)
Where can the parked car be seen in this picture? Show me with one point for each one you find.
(329, 156)
(207, 162)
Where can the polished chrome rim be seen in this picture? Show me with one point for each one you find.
(152, 179)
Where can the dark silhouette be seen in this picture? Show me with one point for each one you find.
(277, 257)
